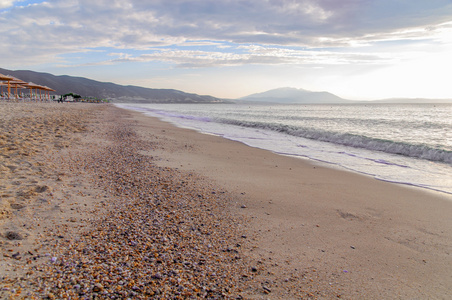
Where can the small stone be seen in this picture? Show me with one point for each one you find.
(98, 288)
(17, 206)
(12, 235)
(243, 206)
(41, 189)
(50, 296)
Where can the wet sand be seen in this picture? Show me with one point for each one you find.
(103, 202)
(331, 232)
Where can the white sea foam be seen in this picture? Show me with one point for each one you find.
(410, 144)
(353, 140)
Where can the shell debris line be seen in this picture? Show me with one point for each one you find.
(102, 221)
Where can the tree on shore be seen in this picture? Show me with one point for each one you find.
(75, 96)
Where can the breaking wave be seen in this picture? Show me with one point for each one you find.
(352, 140)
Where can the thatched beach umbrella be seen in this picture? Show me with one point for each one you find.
(20, 84)
(4, 77)
(2, 84)
(41, 88)
(32, 86)
(17, 83)
(8, 79)
(47, 90)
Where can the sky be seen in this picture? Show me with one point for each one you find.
(356, 49)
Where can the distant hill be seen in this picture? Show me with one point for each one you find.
(106, 90)
(289, 95)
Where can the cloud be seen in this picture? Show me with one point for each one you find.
(246, 55)
(46, 31)
(6, 3)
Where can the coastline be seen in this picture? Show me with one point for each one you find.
(278, 227)
(303, 131)
(350, 232)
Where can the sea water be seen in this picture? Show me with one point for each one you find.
(402, 143)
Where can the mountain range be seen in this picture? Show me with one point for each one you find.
(65, 84)
(106, 90)
(289, 95)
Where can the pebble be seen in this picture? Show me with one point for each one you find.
(98, 288)
(143, 244)
(158, 232)
(12, 235)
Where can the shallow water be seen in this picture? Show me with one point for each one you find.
(403, 143)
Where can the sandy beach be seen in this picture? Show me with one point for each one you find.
(100, 202)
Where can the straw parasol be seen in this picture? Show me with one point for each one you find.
(20, 84)
(46, 90)
(8, 79)
(2, 84)
(5, 78)
(41, 88)
(31, 86)
(17, 83)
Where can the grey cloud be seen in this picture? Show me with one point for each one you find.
(136, 24)
(302, 20)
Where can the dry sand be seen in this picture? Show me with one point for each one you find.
(99, 202)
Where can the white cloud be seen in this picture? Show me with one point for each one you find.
(6, 3)
(217, 33)
(251, 54)
(141, 24)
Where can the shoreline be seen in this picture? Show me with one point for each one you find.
(351, 229)
(330, 165)
(137, 207)
(363, 159)
(310, 160)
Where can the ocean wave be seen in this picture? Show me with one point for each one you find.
(182, 116)
(165, 113)
(353, 140)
